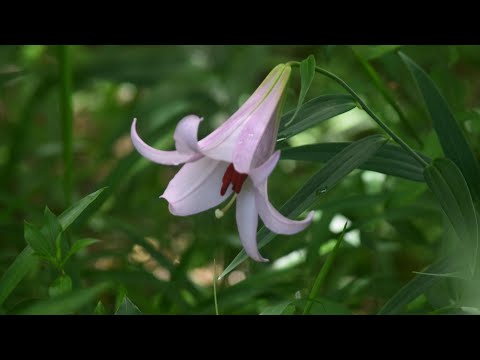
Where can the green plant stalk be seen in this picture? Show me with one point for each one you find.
(375, 77)
(323, 273)
(66, 117)
(368, 111)
(215, 287)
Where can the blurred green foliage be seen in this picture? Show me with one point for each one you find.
(147, 260)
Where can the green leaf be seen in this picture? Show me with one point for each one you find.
(372, 52)
(26, 261)
(38, 242)
(62, 285)
(332, 172)
(52, 226)
(417, 286)
(450, 135)
(16, 272)
(307, 73)
(100, 309)
(277, 309)
(69, 216)
(127, 307)
(66, 304)
(451, 191)
(314, 112)
(79, 245)
(389, 159)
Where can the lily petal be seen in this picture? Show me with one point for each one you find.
(185, 135)
(257, 138)
(261, 173)
(221, 143)
(275, 221)
(196, 187)
(185, 132)
(247, 222)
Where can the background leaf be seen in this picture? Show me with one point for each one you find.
(307, 73)
(417, 286)
(389, 159)
(66, 304)
(313, 113)
(450, 135)
(451, 191)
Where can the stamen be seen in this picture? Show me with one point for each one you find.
(227, 179)
(233, 177)
(220, 212)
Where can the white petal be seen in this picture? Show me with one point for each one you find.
(257, 139)
(261, 173)
(196, 187)
(247, 221)
(275, 221)
(186, 134)
(160, 156)
(220, 144)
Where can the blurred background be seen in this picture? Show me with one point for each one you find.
(165, 263)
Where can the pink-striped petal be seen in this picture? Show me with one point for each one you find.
(247, 221)
(221, 143)
(196, 187)
(185, 136)
(256, 141)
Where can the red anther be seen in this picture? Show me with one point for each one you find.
(227, 178)
(237, 186)
(233, 177)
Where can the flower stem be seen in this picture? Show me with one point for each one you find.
(377, 82)
(364, 106)
(215, 286)
(66, 113)
(323, 273)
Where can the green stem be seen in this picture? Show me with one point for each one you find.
(323, 274)
(215, 286)
(369, 112)
(66, 113)
(377, 81)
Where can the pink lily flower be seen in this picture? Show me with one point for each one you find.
(239, 153)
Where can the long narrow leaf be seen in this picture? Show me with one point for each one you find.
(451, 191)
(389, 159)
(450, 135)
(314, 112)
(417, 286)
